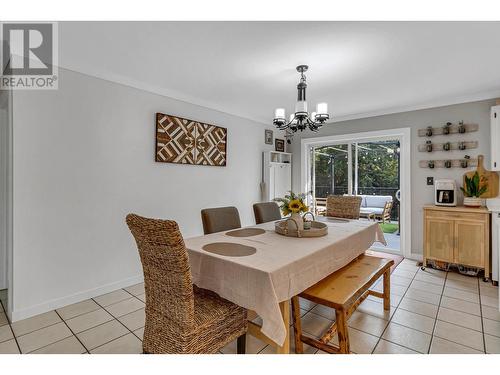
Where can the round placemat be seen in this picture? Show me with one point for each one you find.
(246, 232)
(229, 249)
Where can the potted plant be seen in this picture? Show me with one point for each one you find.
(473, 191)
(293, 204)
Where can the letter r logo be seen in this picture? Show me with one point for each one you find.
(29, 48)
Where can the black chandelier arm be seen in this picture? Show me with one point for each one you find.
(300, 124)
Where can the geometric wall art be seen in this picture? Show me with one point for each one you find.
(184, 141)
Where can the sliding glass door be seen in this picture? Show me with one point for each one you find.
(370, 168)
(331, 170)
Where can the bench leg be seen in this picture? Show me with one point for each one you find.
(297, 326)
(342, 332)
(387, 289)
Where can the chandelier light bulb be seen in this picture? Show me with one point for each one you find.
(322, 108)
(279, 113)
(301, 106)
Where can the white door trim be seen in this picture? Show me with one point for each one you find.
(404, 137)
(7, 187)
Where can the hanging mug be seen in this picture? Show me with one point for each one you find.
(428, 146)
(447, 146)
(446, 128)
(462, 146)
(461, 127)
(429, 131)
(447, 164)
(465, 161)
(431, 164)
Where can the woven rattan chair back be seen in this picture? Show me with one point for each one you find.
(265, 212)
(344, 206)
(220, 219)
(167, 275)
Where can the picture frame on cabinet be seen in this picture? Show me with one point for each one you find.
(279, 145)
(268, 137)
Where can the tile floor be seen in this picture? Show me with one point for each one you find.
(432, 312)
(393, 242)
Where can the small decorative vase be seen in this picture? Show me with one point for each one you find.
(472, 202)
(298, 220)
(447, 146)
(428, 132)
(431, 164)
(447, 164)
(462, 146)
(446, 128)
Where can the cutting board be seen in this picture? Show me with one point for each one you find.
(486, 178)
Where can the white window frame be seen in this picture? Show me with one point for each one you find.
(404, 137)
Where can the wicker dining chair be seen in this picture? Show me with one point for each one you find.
(220, 219)
(344, 206)
(180, 317)
(266, 211)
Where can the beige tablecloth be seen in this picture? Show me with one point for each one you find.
(281, 268)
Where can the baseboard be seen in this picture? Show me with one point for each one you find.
(415, 256)
(74, 298)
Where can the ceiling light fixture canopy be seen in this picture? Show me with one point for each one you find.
(301, 120)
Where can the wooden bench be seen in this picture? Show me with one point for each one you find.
(343, 291)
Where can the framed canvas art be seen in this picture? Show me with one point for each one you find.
(268, 137)
(279, 145)
(184, 141)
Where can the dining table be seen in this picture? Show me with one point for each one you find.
(261, 270)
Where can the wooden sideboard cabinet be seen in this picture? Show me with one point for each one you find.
(458, 235)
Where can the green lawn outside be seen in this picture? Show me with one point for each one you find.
(389, 227)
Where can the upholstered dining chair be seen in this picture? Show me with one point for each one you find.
(266, 211)
(220, 219)
(343, 206)
(180, 317)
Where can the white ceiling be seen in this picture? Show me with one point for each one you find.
(248, 68)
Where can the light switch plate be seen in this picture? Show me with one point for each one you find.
(430, 180)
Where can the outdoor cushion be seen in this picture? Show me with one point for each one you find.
(374, 210)
(377, 200)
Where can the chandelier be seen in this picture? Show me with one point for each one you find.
(300, 120)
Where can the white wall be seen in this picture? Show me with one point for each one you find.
(476, 112)
(83, 159)
(4, 160)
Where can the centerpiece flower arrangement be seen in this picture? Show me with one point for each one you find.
(293, 204)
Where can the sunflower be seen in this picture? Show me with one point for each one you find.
(295, 206)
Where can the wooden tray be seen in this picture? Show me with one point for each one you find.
(318, 229)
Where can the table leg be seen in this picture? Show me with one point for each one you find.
(297, 326)
(387, 289)
(285, 313)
